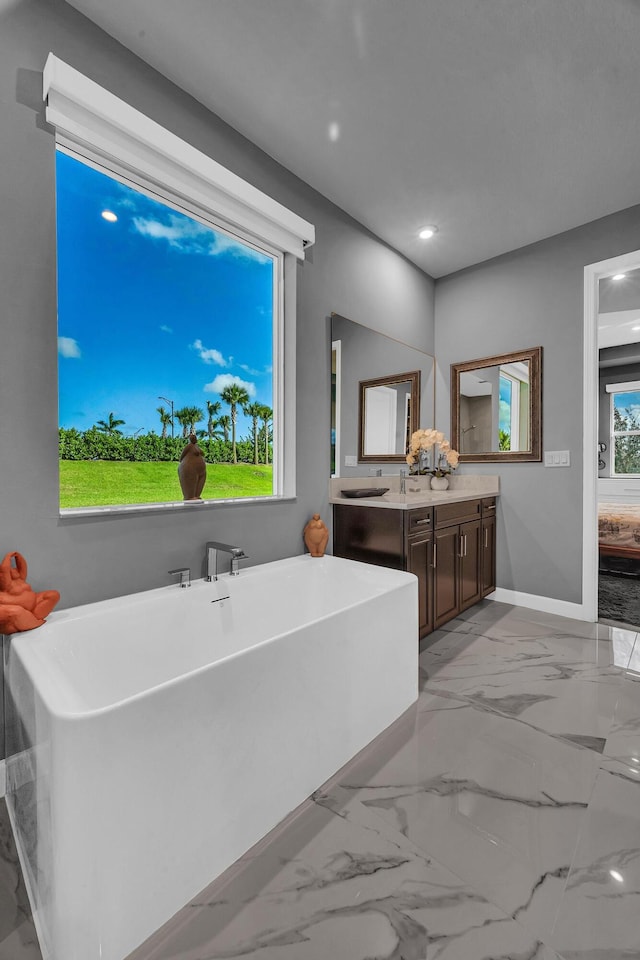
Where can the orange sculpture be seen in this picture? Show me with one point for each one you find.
(192, 470)
(316, 536)
(20, 607)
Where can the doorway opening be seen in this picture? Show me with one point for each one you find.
(611, 482)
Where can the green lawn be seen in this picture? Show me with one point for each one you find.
(94, 483)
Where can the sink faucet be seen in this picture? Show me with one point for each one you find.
(212, 548)
(403, 480)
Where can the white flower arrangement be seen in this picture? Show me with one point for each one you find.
(445, 459)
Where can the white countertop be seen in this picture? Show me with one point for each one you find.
(418, 494)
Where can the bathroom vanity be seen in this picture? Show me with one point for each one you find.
(447, 539)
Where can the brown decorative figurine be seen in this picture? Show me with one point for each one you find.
(316, 536)
(21, 608)
(192, 470)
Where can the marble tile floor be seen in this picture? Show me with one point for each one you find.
(498, 819)
(18, 939)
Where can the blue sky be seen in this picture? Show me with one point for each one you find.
(627, 402)
(153, 303)
(505, 405)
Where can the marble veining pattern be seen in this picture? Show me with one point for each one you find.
(498, 819)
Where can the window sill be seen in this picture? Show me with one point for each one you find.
(80, 513)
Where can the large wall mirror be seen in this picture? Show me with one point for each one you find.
(496, 407)
(382, 390)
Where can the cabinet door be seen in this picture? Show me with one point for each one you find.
(419, 560)
(446, 546)
(488, 547)
(470, 555)
(368, 534)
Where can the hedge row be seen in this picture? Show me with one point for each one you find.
(95, 445)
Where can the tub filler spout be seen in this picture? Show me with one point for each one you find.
(212, 549)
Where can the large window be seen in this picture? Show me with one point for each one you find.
(176, 311)
(165, 329)
(625, 428)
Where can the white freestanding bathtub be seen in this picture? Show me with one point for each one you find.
(156, 737)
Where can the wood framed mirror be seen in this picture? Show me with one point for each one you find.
(496, 407)
(388, 414)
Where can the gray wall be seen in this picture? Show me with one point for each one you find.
(348, 271)
(527, 298)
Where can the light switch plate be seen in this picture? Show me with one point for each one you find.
(557, 458)
(350, 460)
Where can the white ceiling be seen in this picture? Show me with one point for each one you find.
(501, 121)
(618, 311)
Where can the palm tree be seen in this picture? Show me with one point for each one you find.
(110, 426)
(225, 422)
(213, 409)
(195, 416)
(234, 395)
(165, 420)
(254, 410)
(266, 414)
(183, 416)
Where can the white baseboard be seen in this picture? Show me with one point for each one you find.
(3, 777)
(562, 608)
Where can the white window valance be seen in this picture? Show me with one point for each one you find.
(622, 387)
(85, 114)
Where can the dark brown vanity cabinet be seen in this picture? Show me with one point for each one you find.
(419, 560)
(457, 558)
(450, 547)
(488, 546)
(402, 539)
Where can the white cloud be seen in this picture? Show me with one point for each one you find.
(256, 373)
(190, 236)
(68, 347)
(185, 235)
(223, 244)
(225, 380)
(209, 354)
(165, 328)
(249, 370)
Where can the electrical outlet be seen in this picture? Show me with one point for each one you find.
(557, 458)
(350, 460)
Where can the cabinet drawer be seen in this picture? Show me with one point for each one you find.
(488, 506)
(419, 521)
(447, 514)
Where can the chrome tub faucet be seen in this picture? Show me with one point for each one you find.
(212, 548)
(185, 576)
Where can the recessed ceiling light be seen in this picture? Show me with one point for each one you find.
(616, 876)
(109, 215)
(618, 276)
(637, 327)
(333, 131)
(427, 232)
